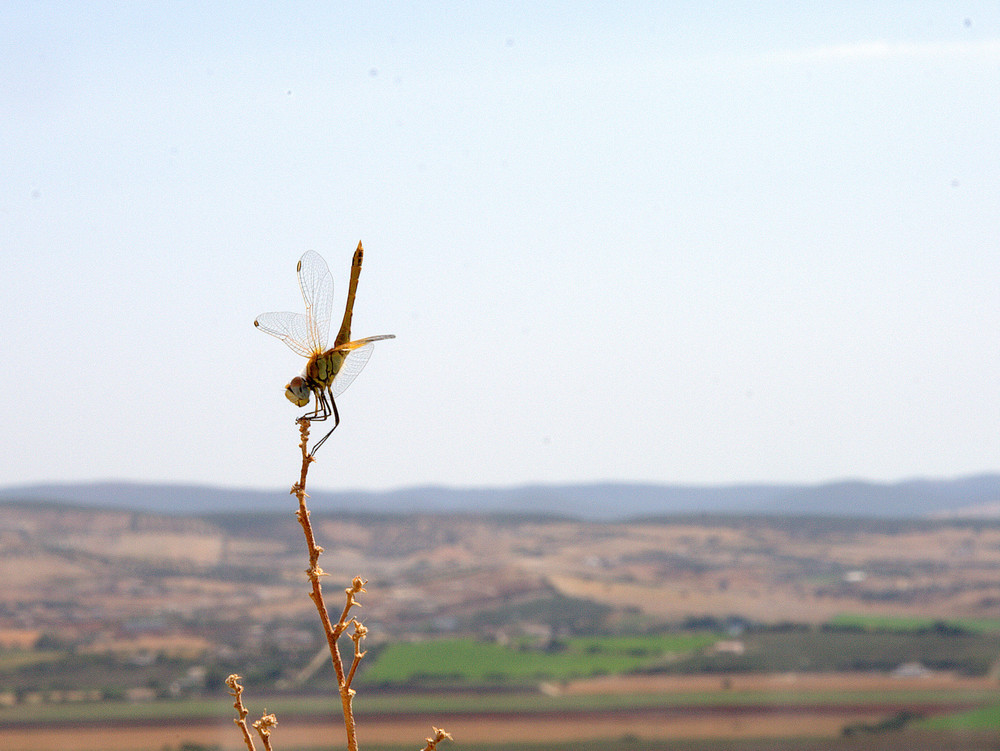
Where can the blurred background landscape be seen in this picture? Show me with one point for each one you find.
(688, 435)
(732, 626)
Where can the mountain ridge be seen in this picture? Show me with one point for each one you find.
(607, 501)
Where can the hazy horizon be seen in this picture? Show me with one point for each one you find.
(976, 497)
(516, 485)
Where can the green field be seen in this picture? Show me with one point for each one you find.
(468, 661)
(984, 718)
(901, 624)
(472, 661)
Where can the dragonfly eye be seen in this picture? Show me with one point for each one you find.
(297, 392)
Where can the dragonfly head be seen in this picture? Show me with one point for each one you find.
(297, 392)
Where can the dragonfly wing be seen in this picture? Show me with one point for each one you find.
(316, 283)
(291, 328)
(359, 352)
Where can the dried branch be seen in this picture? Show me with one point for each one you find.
(263, 727)
(439, 735)
(314, 572)
(357, 636)
(236, 690)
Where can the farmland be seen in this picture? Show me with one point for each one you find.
(736, 710)
(474, 662)
(525, 628)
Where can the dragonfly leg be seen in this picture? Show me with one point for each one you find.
(322, 410)
(336, 422)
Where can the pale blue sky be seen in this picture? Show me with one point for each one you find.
(639, 241)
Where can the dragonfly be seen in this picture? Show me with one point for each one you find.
(328, 372)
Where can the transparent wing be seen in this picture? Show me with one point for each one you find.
(355, 361)
(316, 283)
(291, 328)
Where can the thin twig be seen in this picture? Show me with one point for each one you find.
(314, 572)
(439, 735)
(333, 632)
(357, 636)
(236, 690)
(263, 727)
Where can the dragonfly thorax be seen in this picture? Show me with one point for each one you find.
(322, 369)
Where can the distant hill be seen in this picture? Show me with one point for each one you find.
(969, 496)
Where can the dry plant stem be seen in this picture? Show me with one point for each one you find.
(236, 690)
(316, 595)
(263, 727)
(334, 632)
(360, 632)
(439, 735)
